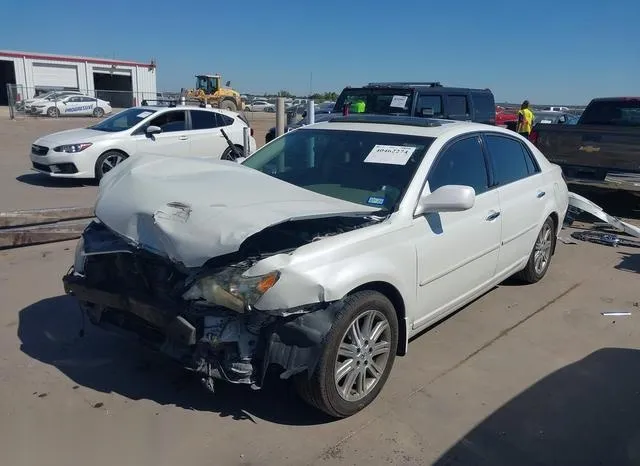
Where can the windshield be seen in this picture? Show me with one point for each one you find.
(367, 168)
(124, 120)
(376, 101)
(622, 112)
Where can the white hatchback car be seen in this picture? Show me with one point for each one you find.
(178, 131)
(320, 254)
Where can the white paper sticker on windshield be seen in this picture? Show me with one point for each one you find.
(545, 121)
(398, 101)
(144, 114)
(390, 155)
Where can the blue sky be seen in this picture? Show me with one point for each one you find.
(545, 51)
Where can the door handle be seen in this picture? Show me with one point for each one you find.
(493, 215)
(183, 138)
(540, 194)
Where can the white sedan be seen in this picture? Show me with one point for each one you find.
(81, 105)
(323, 253)
(260, 106)
(179, 131)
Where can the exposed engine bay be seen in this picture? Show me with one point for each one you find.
(196, 316)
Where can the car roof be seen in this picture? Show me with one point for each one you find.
(412, 126)
(431, 86)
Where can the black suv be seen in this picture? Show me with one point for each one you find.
(432, 100)
(422, 99)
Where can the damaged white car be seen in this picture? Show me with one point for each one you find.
(319, 255)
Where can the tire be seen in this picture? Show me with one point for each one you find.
(98, 112)
(102, 164)
(228, 105)
(53, 112)
(323, 389)
(540, 257)
(229, 155)
(247, 109)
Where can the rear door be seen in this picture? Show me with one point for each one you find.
(205, 135)
(523, 192)
(174, 138)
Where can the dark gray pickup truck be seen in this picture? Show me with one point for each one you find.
(602, 149)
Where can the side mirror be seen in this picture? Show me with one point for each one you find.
(151, 130)
(449, 198)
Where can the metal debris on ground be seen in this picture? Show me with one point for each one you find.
(616, 313)
(578, 203)
(607, 239)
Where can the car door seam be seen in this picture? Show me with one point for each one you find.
(460, 265)
(518, 235)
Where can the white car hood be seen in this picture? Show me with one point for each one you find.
(71, 136)
(191, 210)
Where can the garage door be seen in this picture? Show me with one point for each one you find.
(50, 75)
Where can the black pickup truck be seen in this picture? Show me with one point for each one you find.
(601, 149)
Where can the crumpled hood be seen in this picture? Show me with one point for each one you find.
(71, 136)
(191, 210)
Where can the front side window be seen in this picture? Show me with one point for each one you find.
(508, 157)
(462, 163)
(124, 120)
(368, 168)
(170, 122)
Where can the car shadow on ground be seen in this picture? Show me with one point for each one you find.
(44, 181)
(583, 414)
(629, 262)
(49, 332)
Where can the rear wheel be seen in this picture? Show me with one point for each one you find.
(230, 155)
(98, 112)
(228, 105)
(108, 161)
(540, 257)
(357, 358)
(53, 112)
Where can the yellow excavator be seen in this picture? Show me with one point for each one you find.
(209, 90)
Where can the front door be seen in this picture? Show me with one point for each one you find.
(174, 138)
(458, 251)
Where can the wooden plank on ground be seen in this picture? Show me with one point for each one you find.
(39, 234)
(40, 216)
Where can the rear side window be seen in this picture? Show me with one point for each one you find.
(485, 107)
(509, 159)
(458, 106)
(203, 120)
(612, 112)
(224, 120)
(461, 163)
(429, 106)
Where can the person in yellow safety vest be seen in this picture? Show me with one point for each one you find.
(358, 106)
(525, 119)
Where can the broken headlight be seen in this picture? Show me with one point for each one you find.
(79, 258)
(232, 290)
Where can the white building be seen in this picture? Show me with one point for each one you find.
(123, 83)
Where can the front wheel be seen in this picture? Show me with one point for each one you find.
(540, 257)
(358, 354)
(53, 112)
(107, 162)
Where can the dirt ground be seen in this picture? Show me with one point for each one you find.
(23, 188)
(525, 375)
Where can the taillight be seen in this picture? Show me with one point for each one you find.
(251, 131)
(533, 137)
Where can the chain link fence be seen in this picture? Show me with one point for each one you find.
(27, 102)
